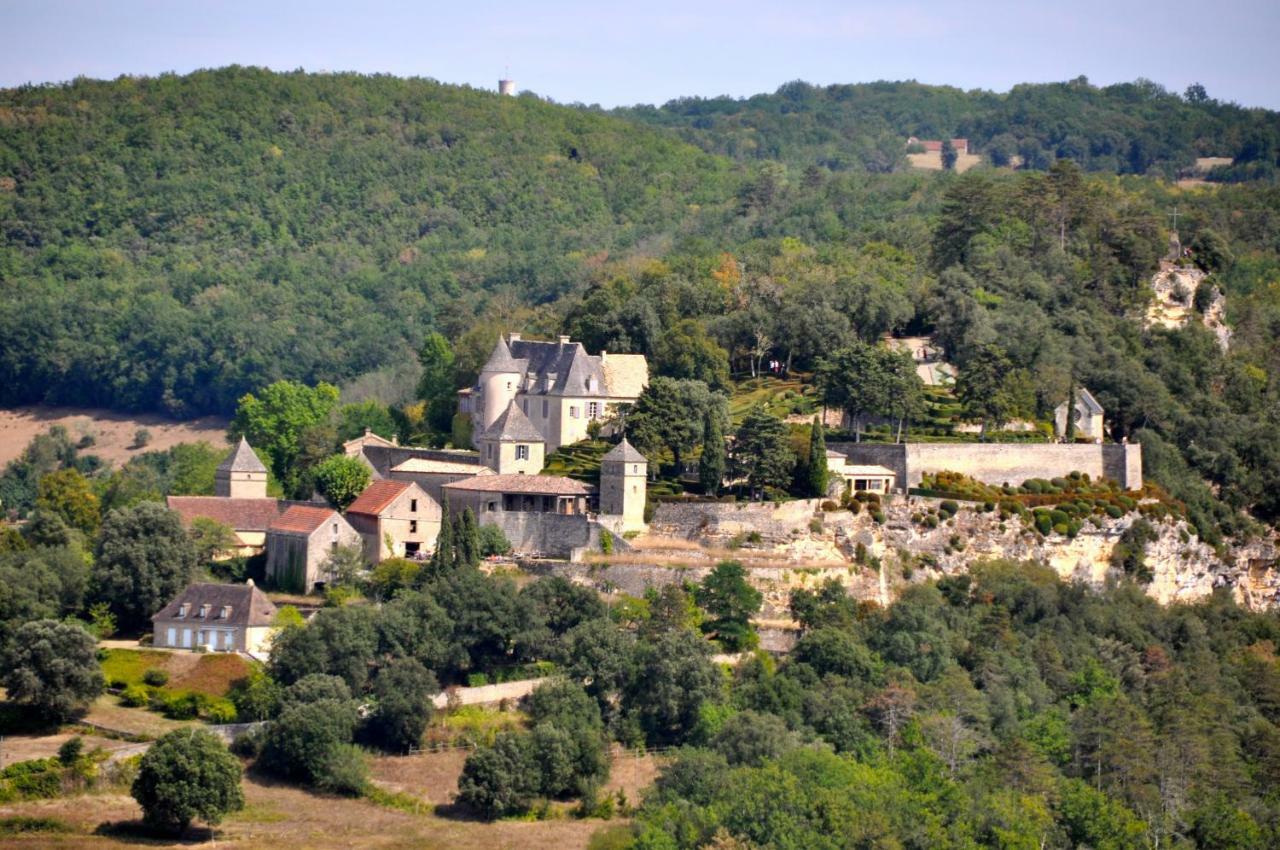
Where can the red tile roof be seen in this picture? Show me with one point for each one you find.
(377, 496)
(303, 519)
(237, 514)
(547, 485)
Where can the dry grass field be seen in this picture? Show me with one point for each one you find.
(932, 161)
(113, 433)
(278, 815)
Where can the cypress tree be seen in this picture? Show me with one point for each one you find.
(711, 468)
(817, 460)
(467, 540)
(443, 557)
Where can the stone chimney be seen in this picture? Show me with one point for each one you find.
(513, 336)
(604, 356)
(564, 340)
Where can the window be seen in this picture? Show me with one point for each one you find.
(204, 610)
(488, 451)
(413, 526)
(544, 408)
(593, 409)
(183, 610)
(335, 529)
(635, 469)
(225, 614)
(573, 411)
(413, 506)
(522, 452)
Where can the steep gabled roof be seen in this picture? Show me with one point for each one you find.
(249, 606)
(626, 453)
(236, 514)
(303, 519)
(242, 459)
(1086, 398)
(378, 496)
(431, 466)
(512, 427)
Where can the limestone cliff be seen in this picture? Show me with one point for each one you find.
(1173, 290)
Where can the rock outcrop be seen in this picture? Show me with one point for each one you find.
(1173, 289)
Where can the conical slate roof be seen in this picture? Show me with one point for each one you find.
(501, 360)
(626, 453)
(242, 460)
(512, 427)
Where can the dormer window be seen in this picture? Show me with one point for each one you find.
(204, 610)
(183, 610)
(225, 613)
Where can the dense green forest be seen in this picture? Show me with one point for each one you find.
(1128, 128)
(177, 242)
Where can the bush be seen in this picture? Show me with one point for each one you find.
(878, 516)
(187, 774)
(344, 772)
(828, 506)
(69, 752)
(135, 696)
(155, 677)
(493, 542)
(949, 507)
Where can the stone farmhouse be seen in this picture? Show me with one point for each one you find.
(240, 500)
(558, 386)
(1088, 418)
(299, 541)
(395, 519)
(216, 617)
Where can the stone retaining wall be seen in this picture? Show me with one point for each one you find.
(1001, 463)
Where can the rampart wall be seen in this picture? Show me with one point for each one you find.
(1001, 463)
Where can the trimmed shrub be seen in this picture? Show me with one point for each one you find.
(155, 677)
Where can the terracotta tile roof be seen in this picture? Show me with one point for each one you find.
(427, 465)
(303, 519)
(377, 496)
(248, 605)
(236, 514)
(546, 485)
(625, 375)
(242, 459)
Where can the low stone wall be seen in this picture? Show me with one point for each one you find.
(1001, 463)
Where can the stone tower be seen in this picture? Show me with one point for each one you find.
(241, 475)
(511, 445)
(499, 382)
(622, 485)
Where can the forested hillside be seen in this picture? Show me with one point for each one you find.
(173, 243)
(1128, 128)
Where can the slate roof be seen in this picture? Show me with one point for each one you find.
(242, 459)
(626, 453)
(1089, 401)
(249, 606)
(383, 459)
(545, 485)
(377, 496)
(303, 519)
(512, 427)
(550, 368)
(237, 514)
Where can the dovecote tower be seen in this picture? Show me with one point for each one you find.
(241, 475)
(622, 485)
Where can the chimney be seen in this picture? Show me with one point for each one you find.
(513, 336)
(604, 356)
(564, 340)
(249, 582)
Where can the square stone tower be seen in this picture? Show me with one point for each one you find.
(623, 472)
(241, 475)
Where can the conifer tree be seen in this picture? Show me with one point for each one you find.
(442, 560)
(817, 460)
(467, 540)
(711, 467)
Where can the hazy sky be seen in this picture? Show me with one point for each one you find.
(615, 53)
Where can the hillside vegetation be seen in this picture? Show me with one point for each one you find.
(173, 243)
(1128, 128)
